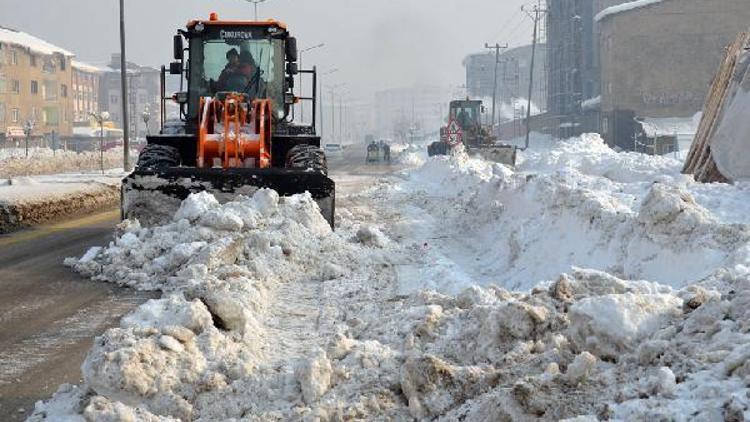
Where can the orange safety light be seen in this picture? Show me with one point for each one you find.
(213, 17)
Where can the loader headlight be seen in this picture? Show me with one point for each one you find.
(200, 27)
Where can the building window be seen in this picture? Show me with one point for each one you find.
(113, 99)
(34, 87)
(15, 86)
(32, 60)
(62, 63)
(51, 116)
(64, 91)
(15, 115)
(2, 86)
(49, 90)
(48, 66)
(13, 56)
(2, 113)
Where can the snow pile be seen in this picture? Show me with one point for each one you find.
(578, 204)
(412, 155)
(13, 161)
(224, 271)
(631, 300)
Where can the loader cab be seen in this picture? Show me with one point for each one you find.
(467, 113)
(264, 68)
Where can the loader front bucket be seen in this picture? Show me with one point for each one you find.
(153, 196)
(504, 154)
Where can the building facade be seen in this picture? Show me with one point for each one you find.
(513, 76)
(143, 96)
(35, 86)
(574, 87)
(399, 109)
(85, 86)
(658, 60)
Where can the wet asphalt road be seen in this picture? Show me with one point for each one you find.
(49, 315)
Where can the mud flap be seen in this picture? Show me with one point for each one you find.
(153, 196)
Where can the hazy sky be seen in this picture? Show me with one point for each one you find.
(375, 44)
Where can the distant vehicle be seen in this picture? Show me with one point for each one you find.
(373, 153)
(477, 139)
(334, 148)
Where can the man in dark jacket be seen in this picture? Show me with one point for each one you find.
(230, 70)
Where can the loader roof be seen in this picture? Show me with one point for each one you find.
(213, 20)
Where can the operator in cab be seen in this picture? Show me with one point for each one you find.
(230, 70)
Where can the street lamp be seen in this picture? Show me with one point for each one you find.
(28, 127)
(302, 103)
(146, 116)
(255, 3)
(322, 112)
(100, 118)
(333, 109)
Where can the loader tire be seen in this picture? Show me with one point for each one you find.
(307, 157)
(156, 157)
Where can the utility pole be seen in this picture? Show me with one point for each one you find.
(497, 48)
(536, 16)
(124, 89)
(322, 96)
(341, 118)
(333, 114)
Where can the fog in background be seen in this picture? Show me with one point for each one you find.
(375, 44)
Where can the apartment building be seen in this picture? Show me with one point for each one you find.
(35, 86)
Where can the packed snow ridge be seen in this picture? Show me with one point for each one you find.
(586, 284)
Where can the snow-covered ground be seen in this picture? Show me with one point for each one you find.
(31, 200)
(41, 161)
(585, 284)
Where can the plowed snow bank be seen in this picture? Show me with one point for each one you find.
(268, 315)
(14, 162)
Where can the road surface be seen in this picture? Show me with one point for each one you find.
(49, 316)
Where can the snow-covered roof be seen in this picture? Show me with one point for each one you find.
(591, 103)
(22, 39)
(624, 7)
(678, 126)
(86, 67)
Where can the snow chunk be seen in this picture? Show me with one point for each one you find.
(195, 206)
(610, 324)
(371, 236)
(314, 376)
(581, 367)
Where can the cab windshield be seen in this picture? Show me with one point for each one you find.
(236, 61)
(466, 116)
